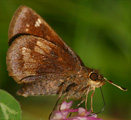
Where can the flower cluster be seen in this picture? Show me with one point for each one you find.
(63, 110)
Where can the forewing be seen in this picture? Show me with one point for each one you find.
(31, 56)
(27, 21)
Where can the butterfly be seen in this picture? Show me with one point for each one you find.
(44, 64)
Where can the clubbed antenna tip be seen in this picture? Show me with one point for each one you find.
(121, 88)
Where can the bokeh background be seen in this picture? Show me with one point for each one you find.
(99, 31)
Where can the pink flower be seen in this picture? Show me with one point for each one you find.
(63, 110)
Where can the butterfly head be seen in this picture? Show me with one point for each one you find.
(95, 78)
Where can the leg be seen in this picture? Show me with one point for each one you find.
(83, 99)
(92, 99)
(55, 106)
(86, 99)
(58, 99)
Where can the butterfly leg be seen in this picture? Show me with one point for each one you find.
(58, 99)
(55, 106)
(86, 99)
(92, 99)
(83, 99)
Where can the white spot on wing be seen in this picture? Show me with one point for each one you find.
(39, 50)
(26, 52)
(27, 25)
(26, 29)
(38, 22)
(44, 47)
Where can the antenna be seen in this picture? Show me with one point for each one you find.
(121, 88)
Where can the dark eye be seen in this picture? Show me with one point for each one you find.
(94, 76)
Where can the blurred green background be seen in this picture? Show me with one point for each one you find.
(98, 31)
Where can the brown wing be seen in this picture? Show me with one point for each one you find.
(27, 21)
(29, 55)
(37, 56)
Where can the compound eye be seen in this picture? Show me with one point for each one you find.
(94, 76)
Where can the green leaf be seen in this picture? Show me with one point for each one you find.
(9, 107)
